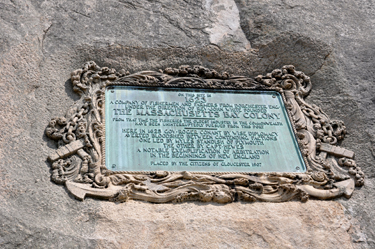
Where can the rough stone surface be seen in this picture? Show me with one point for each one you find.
(41, 42)
(237, 225)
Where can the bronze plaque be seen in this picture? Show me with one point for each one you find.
(195, 134)
(199, 130)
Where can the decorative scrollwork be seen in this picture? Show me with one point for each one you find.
(78, 162)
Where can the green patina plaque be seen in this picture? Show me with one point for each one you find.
(195, 134)
(198, 130)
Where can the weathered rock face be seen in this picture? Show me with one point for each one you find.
(42, 42)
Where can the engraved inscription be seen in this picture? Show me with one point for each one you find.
(192, 130)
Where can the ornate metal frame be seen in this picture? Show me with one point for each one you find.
(79, 163)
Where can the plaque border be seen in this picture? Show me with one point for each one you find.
(78, 162)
